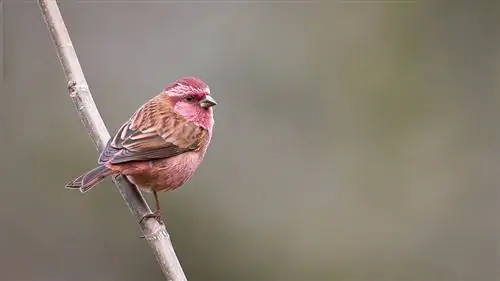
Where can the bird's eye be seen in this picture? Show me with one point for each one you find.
(189, 98)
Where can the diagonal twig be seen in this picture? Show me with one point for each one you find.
(156, 233)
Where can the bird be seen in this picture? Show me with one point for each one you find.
(162, 144)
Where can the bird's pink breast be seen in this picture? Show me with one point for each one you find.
(163, 174)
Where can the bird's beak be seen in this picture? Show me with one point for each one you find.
(207, 102)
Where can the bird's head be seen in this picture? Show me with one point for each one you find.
(190, 97)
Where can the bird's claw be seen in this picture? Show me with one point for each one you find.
(155, 215)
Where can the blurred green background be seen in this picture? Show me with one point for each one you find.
(354, 140)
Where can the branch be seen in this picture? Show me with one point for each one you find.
(155, 233)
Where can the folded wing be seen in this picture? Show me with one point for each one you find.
(155, 131)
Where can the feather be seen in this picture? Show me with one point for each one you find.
(155, 131)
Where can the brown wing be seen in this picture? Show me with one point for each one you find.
(155, 131)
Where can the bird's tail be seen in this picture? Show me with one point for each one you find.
(90, 179)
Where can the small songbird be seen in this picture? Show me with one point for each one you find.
(162, 144)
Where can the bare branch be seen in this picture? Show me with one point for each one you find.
(156, 233)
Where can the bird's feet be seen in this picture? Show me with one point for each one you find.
(155, 215)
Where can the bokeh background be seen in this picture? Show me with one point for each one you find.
(354, 140)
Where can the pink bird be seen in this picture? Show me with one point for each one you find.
(160, 147)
